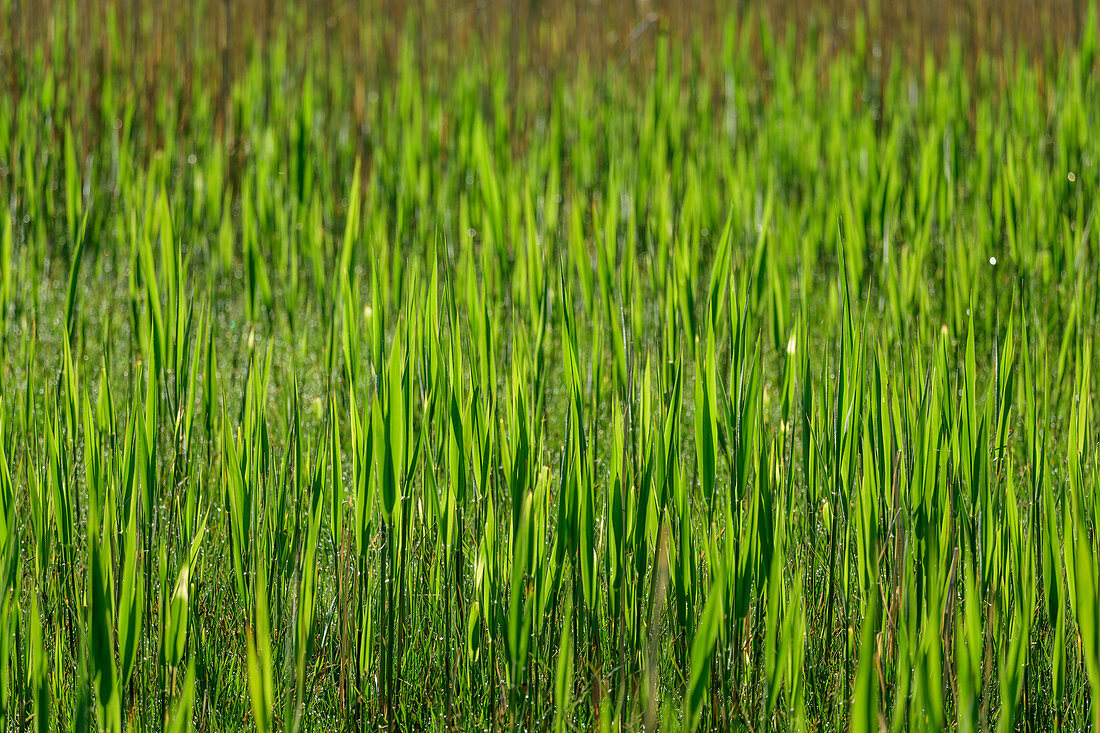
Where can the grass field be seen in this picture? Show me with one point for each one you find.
(746, 384)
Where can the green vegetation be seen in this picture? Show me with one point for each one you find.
(760, 398)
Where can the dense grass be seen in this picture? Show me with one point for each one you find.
(759, 398)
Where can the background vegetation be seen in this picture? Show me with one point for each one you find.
(615, 368)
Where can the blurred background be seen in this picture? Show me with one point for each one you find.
(178, 64)
(545, 36)
(211, 40)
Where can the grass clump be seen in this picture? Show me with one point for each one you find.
(747, 400)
